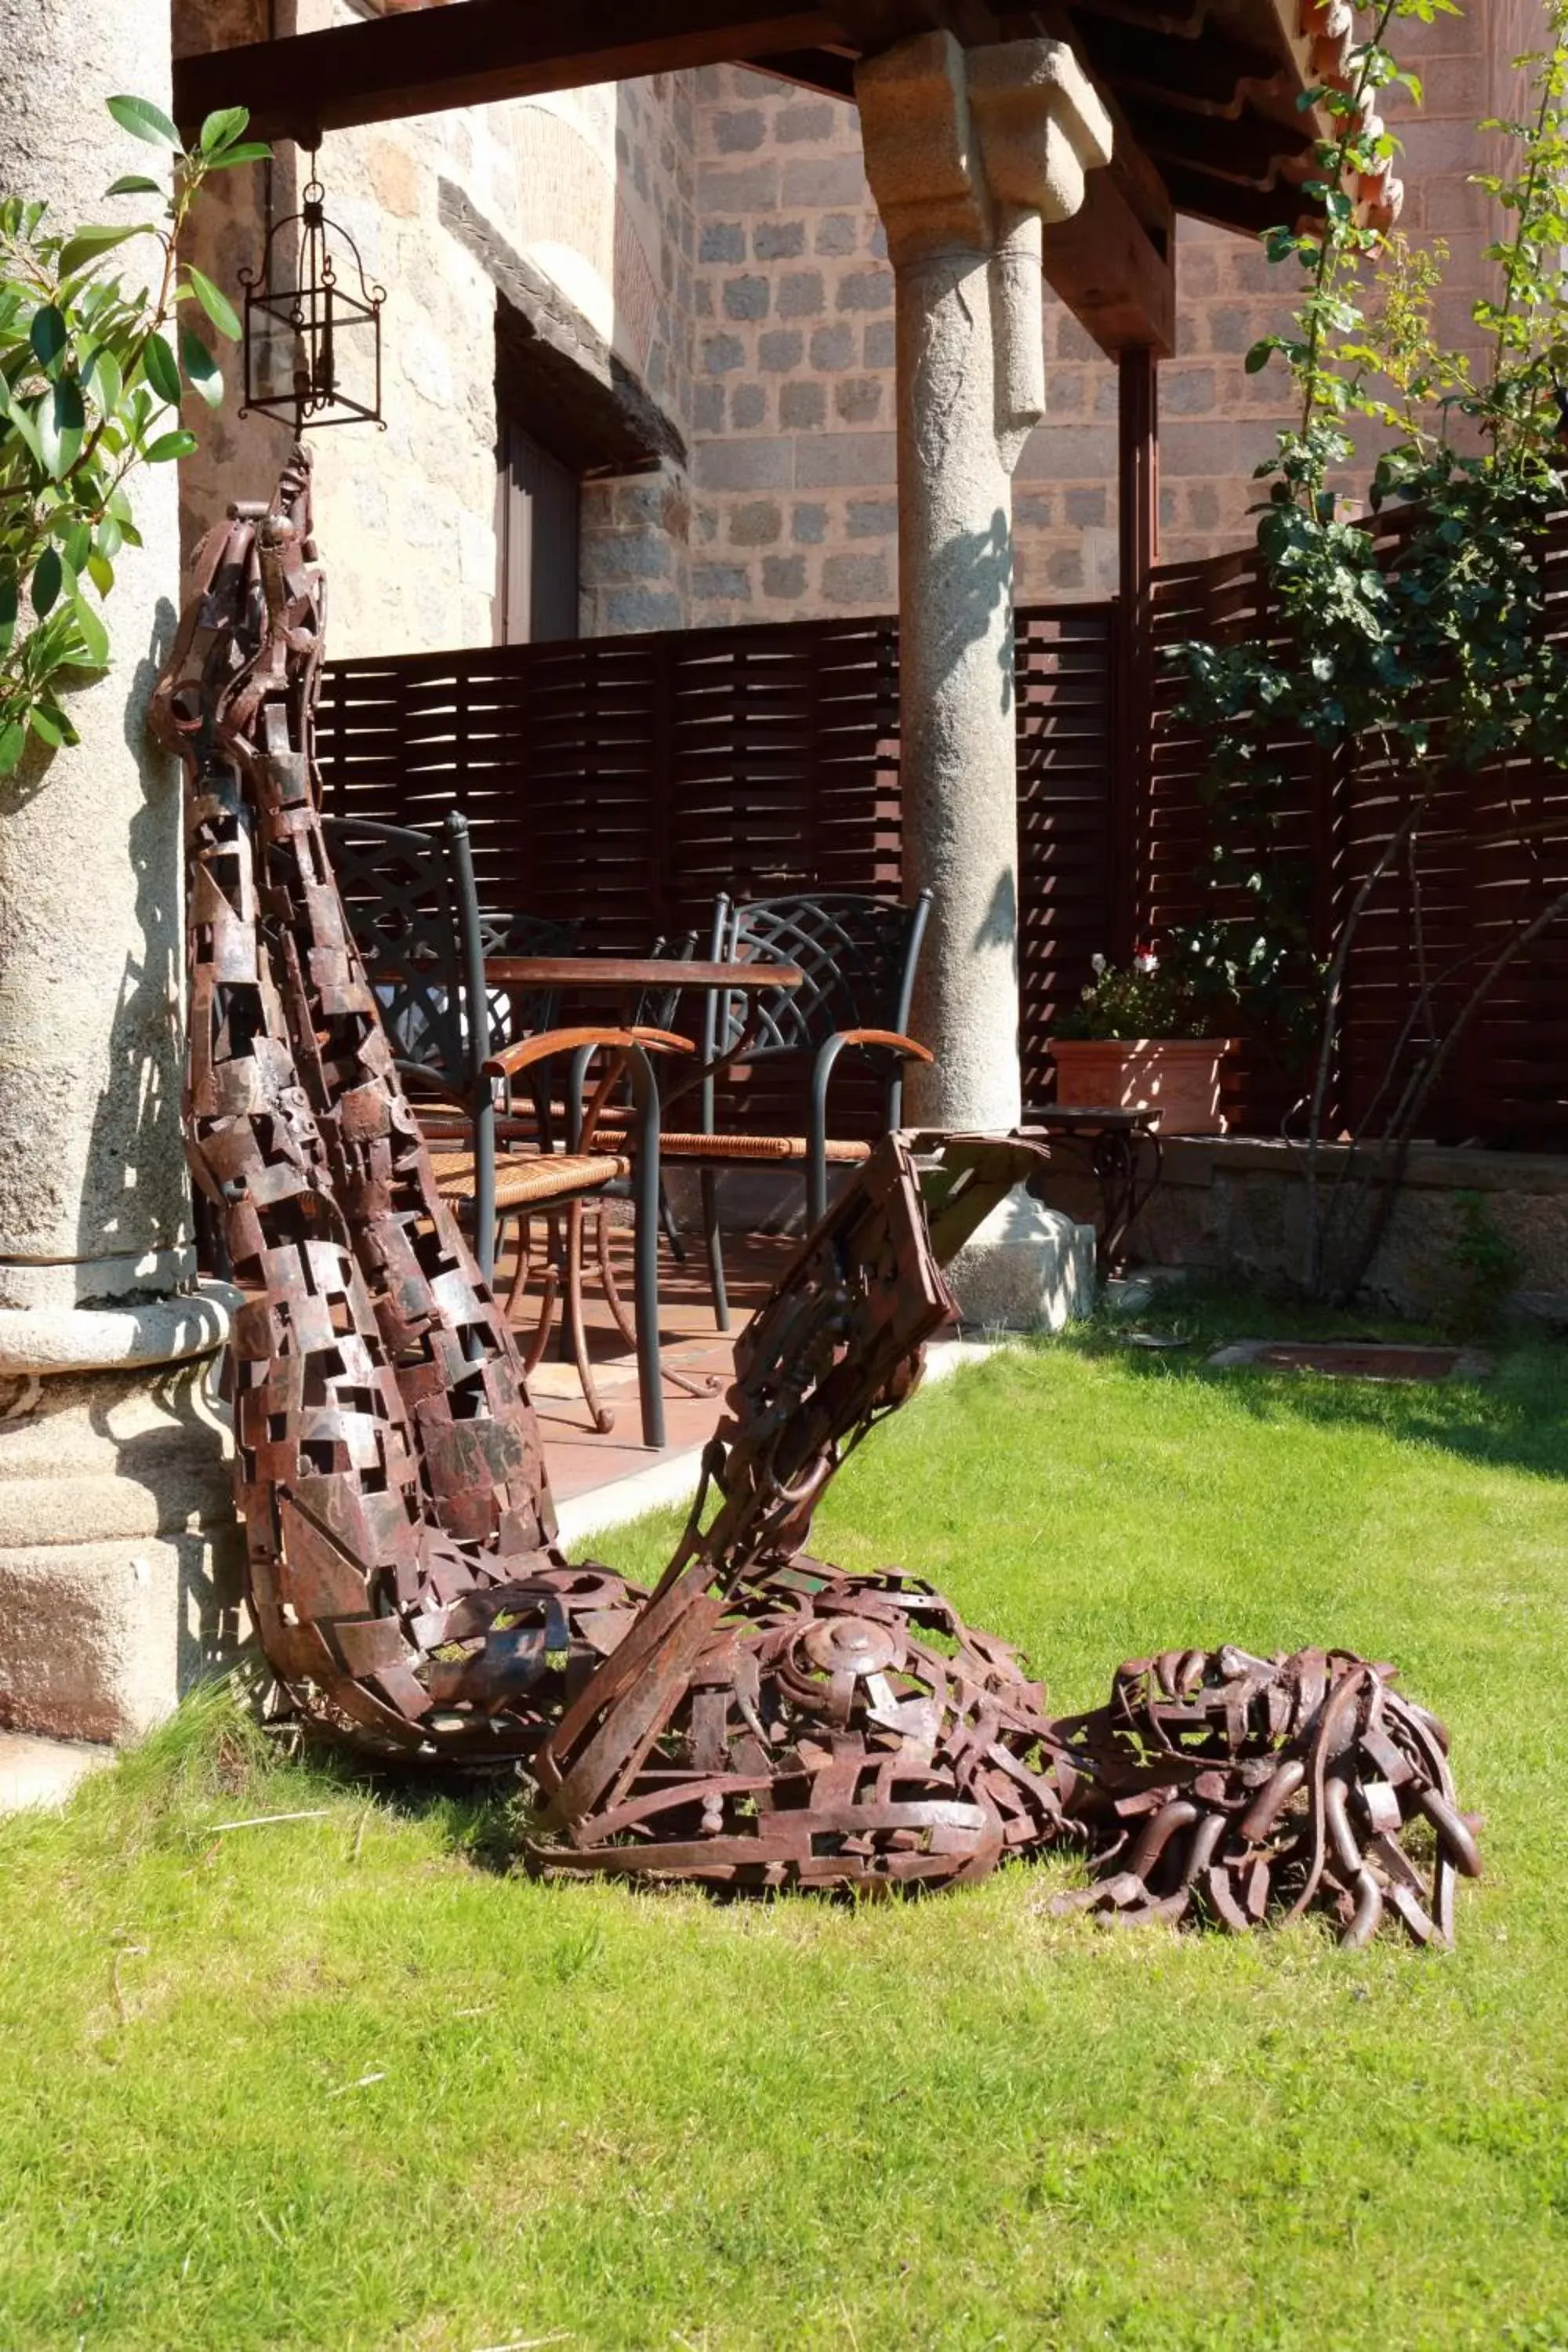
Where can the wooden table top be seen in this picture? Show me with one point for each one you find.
(617, 972)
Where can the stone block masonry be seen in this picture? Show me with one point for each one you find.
(792, 270)
(718, 228)
(587, 194)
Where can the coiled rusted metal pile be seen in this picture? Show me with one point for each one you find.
(1246, 1790)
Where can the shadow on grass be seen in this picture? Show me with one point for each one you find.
(1516, 1418)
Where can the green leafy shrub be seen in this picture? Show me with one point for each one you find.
(1412, 650)
(91, 387)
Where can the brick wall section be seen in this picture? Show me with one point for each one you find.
(793, 401)
(795, 506)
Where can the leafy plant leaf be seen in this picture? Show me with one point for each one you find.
(222, 129)
(26, 430)
(94, 636)
(135, 183)
(61, 421)
(13, 743)
(162, 372)
(49, 573)
(89, 244)
(202, 369)
(167, 445)
(104, 376)
(214, 302)
(254, 150)
(48, 334)
(144, 120)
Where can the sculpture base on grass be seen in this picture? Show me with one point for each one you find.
(1028, 1268)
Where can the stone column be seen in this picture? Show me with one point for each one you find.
(968, 153)
(113, 1485)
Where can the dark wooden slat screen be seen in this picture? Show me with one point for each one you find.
(1066, 685)
(1507, 1082)
(623, 781)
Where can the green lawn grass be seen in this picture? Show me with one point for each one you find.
(344, 2084)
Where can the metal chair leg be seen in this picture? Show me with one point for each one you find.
(710, 1181)
(603, 1421)
(667, 1227)
(544, 1322)
(646, 1190)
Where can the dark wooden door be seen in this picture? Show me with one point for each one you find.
(537, 530)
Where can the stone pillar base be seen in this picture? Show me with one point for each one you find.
(1028, 1268)
(120, 1553)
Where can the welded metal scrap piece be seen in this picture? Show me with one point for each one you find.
(770, 1722)
(1247, 1790)
(402, 1568)
(761, 1720)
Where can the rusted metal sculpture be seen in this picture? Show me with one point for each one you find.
(761, 1720)
(388, 1468)
(1249, 1789)
(769, 1721)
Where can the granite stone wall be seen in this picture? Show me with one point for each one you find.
(709, 240)
(794, 464)
(575, 208)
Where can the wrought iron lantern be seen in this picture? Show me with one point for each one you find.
(313, 347)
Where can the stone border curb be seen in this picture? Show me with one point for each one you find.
(36, 1341)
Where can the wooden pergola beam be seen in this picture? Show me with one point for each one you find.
(1203, 98)
(1115, 279)
(431, 60)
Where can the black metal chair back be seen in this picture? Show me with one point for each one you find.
(524, 1012)
(859, 955)
(656, 1008)
(413, 910)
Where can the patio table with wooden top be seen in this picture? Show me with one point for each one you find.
(625, 977)
(629, 976)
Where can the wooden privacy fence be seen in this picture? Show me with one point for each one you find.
(623, 781)
(1492, 853)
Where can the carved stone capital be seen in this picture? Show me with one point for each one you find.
(963, 145)
(1041, 126)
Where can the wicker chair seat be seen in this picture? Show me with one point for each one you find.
(786, 1150)
(530, 1182)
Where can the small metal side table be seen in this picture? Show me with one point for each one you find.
(1112, 1140)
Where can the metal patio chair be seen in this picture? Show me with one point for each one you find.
(859, 955)
(413, 910)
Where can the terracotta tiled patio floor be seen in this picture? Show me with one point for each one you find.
(579, 1461)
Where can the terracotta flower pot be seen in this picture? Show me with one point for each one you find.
(1179, 1077)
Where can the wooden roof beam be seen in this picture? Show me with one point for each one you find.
(1117, 278)
(430, 61)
